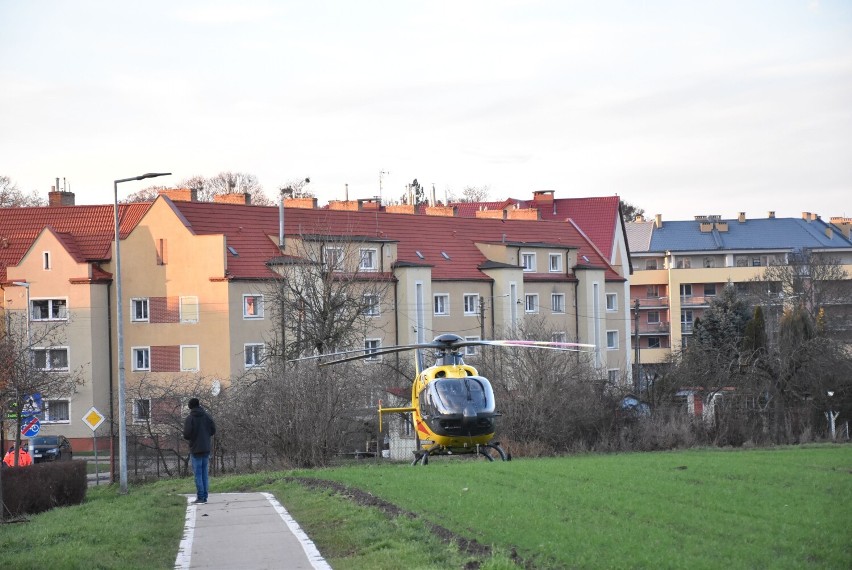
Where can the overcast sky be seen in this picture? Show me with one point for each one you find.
(680, 108)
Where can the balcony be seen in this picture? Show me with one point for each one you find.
(651, 302)
(661, 328)
(696, 300)
(686, 328)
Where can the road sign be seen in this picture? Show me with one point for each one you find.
(31, 427)
(32, 405)
(93, 418)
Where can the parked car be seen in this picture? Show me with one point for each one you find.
(50, 448)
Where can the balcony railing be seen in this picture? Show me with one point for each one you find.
(651, 302)
(686, 328)
(695, 300)
(654, 328)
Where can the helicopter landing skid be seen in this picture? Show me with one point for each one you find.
(490, 451)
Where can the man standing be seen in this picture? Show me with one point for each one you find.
(198, 428)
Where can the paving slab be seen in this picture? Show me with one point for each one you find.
(244, 530)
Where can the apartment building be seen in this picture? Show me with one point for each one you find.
(195, 276)
(679, 266)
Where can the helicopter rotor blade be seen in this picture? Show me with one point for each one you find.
(381, 351)
(574, 346)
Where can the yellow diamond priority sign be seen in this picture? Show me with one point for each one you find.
(93, 418)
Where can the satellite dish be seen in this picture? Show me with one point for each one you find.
(217, 387)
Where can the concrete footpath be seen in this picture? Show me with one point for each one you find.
(244, 530)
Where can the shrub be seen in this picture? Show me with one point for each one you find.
(40, 487)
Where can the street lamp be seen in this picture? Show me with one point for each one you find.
(831, 415)
(122, 412)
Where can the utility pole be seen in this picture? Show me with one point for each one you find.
(481, 318)
(636, 386)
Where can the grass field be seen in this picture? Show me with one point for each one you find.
(777, 508)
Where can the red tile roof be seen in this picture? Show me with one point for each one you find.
(86, 231)
(596, 216)
(248, 230)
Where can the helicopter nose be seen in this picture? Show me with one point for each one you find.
(469, 413)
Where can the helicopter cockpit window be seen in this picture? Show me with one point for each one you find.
(453, 395)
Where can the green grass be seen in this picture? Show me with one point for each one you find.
(778, 508)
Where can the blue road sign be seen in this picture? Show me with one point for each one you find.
(32, 405)
(31, 427)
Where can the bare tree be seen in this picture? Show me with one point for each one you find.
(26, 370)
(148, 194)
(471, 194)
(296, 188)
(11, 196)
(228, 182)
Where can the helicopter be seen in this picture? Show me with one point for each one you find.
(453, 406)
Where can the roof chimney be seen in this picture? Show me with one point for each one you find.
(658, 221)
(741, 217)
(179, 194)
(242, 198)
(771, 214)
(806, 216)
(56, 198)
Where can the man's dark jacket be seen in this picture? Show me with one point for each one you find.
(198, 428)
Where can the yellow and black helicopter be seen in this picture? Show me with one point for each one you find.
(453, 406)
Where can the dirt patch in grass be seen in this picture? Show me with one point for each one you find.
(360, 497)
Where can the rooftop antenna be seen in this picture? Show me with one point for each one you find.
(381, 174)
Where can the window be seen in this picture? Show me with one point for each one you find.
(612, 302)
(559, 337)
(254, 355)
(55, 358)
(531, 303)
(54, 411)
(686, 289)
(709, 289)
(372, 307)
(442, 304)
(755, 262)
(555, 262)
(371, 345)
(368, 260)
(528, 261)
(139, 310)
(612, 339)
(654, 342)
(45, 259)
(557, 302)
(252, 306)
(686, 320)
(684, 263)
(650, 264)
(189, 358)
(653, 291)
(50, 310)
(653, 317)
(471, 304)
(612, 375)
(189, 309)
(141, 410)
(334, 258)
(709, 262)
(470, 350)
(141, 358)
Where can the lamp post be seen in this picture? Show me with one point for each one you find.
(831, 415)
(122, 411)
